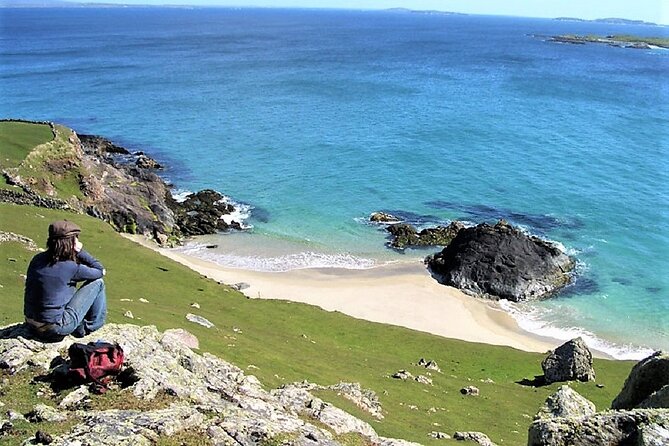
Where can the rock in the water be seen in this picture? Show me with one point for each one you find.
(202, 213)
(502, 262)
(405, 235)
(476, 437)
(566, 402)
(145, 162)
(383, 217)
(570, 361)
(646, 379)
(613, 428)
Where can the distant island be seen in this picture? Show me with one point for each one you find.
(609, 20)
(427, 11)
(621, 41)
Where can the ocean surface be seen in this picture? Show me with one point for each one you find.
(313, 119)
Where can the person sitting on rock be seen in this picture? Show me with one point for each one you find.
(53, 306)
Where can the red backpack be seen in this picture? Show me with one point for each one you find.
(95, 362)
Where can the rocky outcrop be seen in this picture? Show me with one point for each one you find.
(647, 384)
(474, 437)
(613, 428)
(502, 262)
(569, 419)
(406, 235)
(383, 217)
(204, 213)
(564, 403)
(116, 186)
(570, 361)
(208, 395)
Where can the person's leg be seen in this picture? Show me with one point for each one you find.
(86, 311)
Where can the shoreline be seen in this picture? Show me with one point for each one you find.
(401, 294)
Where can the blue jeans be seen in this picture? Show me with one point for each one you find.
(85, 312)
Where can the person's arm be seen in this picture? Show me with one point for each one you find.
(89, 267)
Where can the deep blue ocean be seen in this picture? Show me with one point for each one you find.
(316, 118)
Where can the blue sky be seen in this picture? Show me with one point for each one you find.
(648, 10)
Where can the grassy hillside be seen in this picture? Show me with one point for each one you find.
(287, 342)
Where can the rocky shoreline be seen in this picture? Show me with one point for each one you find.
(615, 41)
(117, 186)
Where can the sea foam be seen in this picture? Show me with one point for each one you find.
(282, 263)
(532, 320)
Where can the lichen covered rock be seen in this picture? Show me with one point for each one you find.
(210, 396)
(570, 361)
(646, 385)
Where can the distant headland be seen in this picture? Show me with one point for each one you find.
(622, 41)
(609, 20)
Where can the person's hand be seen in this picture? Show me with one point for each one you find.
(77, 245)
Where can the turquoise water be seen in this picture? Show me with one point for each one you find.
(315, 119)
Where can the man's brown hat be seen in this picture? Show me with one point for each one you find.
(63, 229)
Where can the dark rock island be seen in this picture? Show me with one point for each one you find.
(502, 262)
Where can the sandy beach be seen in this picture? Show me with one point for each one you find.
(399, 294)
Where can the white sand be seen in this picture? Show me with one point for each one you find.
(402, 294)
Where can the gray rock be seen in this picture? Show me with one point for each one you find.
(383, 217)
(199, 320)
(299, 401)
(648, 376)
(405, 235)
(15, 416)
(403, 375)
(180, 335)
(658, 399)
(424, 380)
(430, 365)
(566, 402)
(502, 262)
(130, 427)
(74, 398)
(570, 361)
(42, 412)
(440, 435)
(476, 437)
(229, 407)
(613, 428)
(240, 286)
(653, 435)
(470, 390)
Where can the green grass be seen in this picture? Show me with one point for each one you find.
(343, 348)
(50, 165)
(17, 139)
(657, 41)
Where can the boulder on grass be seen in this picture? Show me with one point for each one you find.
(570, 361)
